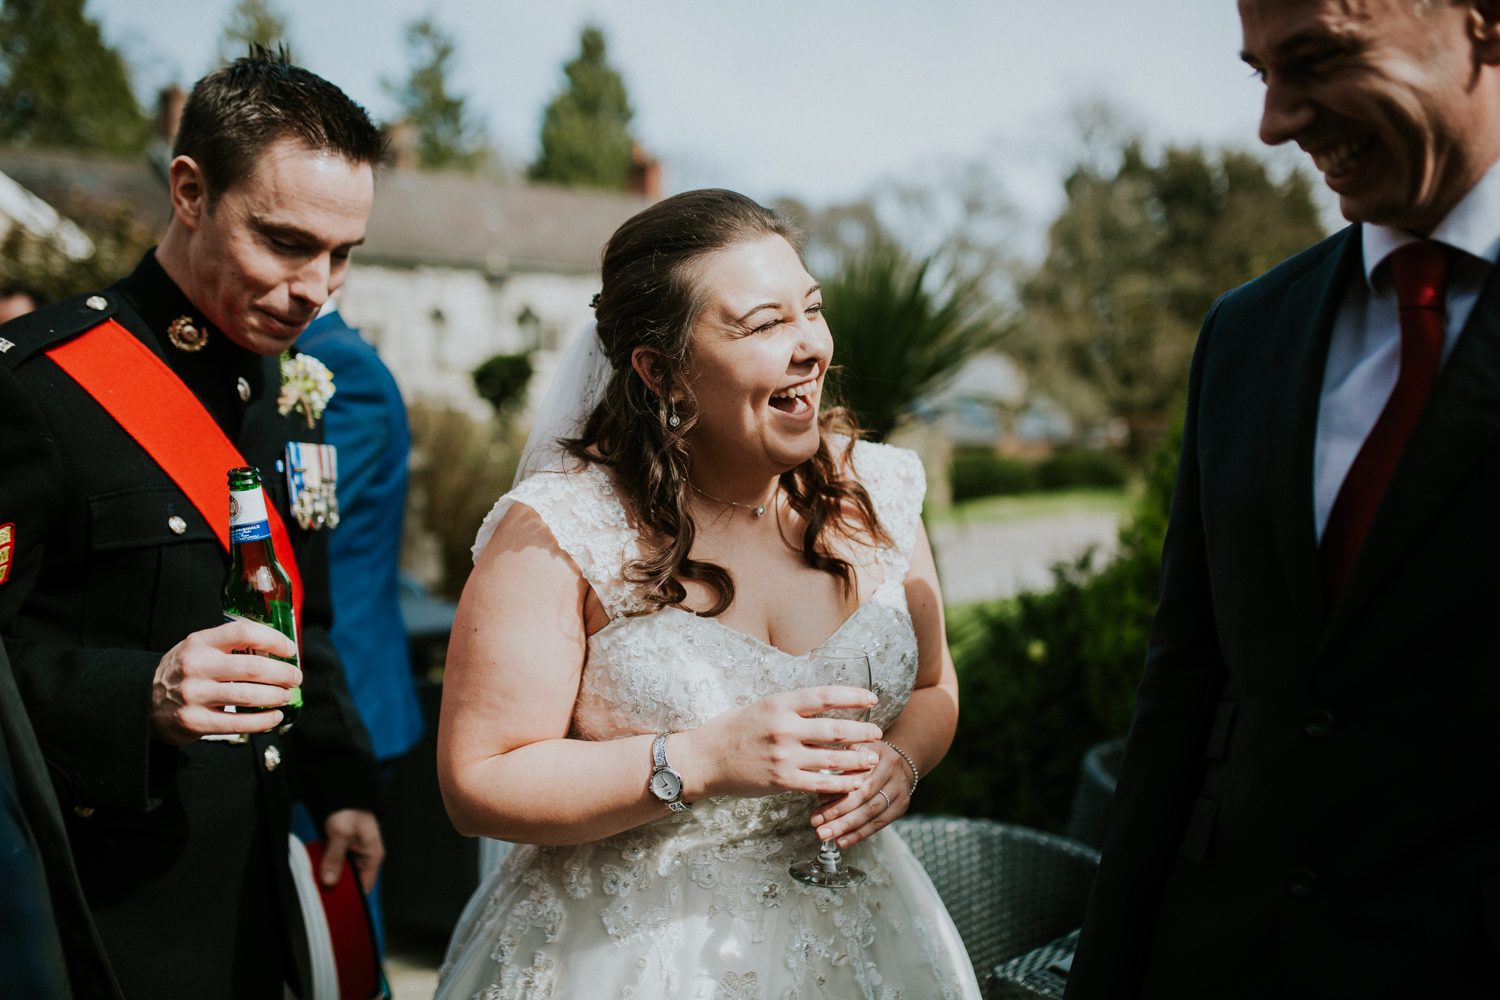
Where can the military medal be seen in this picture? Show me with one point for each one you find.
(187, 336)
(7, 546)
(312, 475)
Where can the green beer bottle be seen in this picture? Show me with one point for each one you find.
(257, 589)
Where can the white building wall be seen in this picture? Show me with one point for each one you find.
(433, 326)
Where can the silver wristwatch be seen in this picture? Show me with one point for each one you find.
(666, 784)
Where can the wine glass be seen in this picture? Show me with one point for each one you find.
(832, 666)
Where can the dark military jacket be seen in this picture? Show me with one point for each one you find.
(181, 850)
(50, 949)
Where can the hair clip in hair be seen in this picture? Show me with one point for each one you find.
(594, 302)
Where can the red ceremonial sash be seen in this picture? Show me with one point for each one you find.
(155, 408)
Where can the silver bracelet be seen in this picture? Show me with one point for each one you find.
(915, 777)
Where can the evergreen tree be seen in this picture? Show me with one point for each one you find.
(1135, 260)
(448, 138)
(61, 84)
(585, 135)
(252, 22)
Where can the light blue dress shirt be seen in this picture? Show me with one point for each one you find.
(1364, 354)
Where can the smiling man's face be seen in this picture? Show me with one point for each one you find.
(262, 261)
(1395, 106)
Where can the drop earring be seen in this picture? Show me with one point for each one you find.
(672, 419)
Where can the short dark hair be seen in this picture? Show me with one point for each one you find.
(235, 112)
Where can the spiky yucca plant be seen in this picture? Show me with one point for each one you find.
(901, 328)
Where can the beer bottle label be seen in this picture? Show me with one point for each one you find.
(247, 516)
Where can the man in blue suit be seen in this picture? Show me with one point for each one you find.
(366, 421)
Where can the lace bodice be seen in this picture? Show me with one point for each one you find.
(700, 904)
(672, 670)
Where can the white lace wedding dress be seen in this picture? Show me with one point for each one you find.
(699, 904)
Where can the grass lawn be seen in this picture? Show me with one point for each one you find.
(1029, 506)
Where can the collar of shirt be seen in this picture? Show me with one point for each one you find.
(1473, 227)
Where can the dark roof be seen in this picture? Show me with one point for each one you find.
(436, 219)
(459, 220)
(86, 187)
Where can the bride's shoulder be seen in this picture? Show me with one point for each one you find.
(878, 465)
(589, 483)
(895, 480)
(578, 505)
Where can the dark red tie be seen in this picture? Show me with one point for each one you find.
(1420, 273)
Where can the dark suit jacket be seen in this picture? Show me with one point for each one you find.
(1309, 802)
(181, 850)
(49, 949)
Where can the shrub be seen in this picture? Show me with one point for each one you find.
(1079, 467)
(1046, 675)
(502, 381)
(901, 326)
(979, 473)
(459, 468)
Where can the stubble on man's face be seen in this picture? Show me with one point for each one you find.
(1382, 98)
(276, 244)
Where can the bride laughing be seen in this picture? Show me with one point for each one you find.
(689, 523)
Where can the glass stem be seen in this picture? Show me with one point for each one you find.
(829, 856)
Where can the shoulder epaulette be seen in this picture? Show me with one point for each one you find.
(51, 325)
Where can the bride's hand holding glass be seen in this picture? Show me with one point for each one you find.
(775, 745)
(881, 799)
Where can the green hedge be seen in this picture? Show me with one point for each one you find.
(1078, 467)
(977, 474)
(1044, 676)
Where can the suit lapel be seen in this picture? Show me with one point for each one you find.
(1458, 426)
(1303, 328)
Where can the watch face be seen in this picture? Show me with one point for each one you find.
(666, 785)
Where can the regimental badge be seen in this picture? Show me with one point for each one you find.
(312, 476)
(186, 335)
(7, 548)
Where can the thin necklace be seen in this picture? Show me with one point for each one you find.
(759, 510)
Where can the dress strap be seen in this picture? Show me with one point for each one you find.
(585, 516)
(897, 483)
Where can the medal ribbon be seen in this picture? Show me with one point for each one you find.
(154, 407)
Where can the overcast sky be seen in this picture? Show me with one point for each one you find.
(818, 99)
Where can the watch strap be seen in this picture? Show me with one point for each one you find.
(659, 764)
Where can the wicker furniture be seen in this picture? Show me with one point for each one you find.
(1096, 793)
(1034, 974)
(1008, 889)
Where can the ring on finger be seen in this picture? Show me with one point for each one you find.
(888, 803)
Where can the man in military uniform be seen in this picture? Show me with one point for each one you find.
(110, 595)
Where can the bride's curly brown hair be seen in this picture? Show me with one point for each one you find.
(653, 295)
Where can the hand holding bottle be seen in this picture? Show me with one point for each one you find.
(204, 672)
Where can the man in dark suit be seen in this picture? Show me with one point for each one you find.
(178, 811)
(1309, 802)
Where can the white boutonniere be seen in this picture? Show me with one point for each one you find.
(306, 386)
